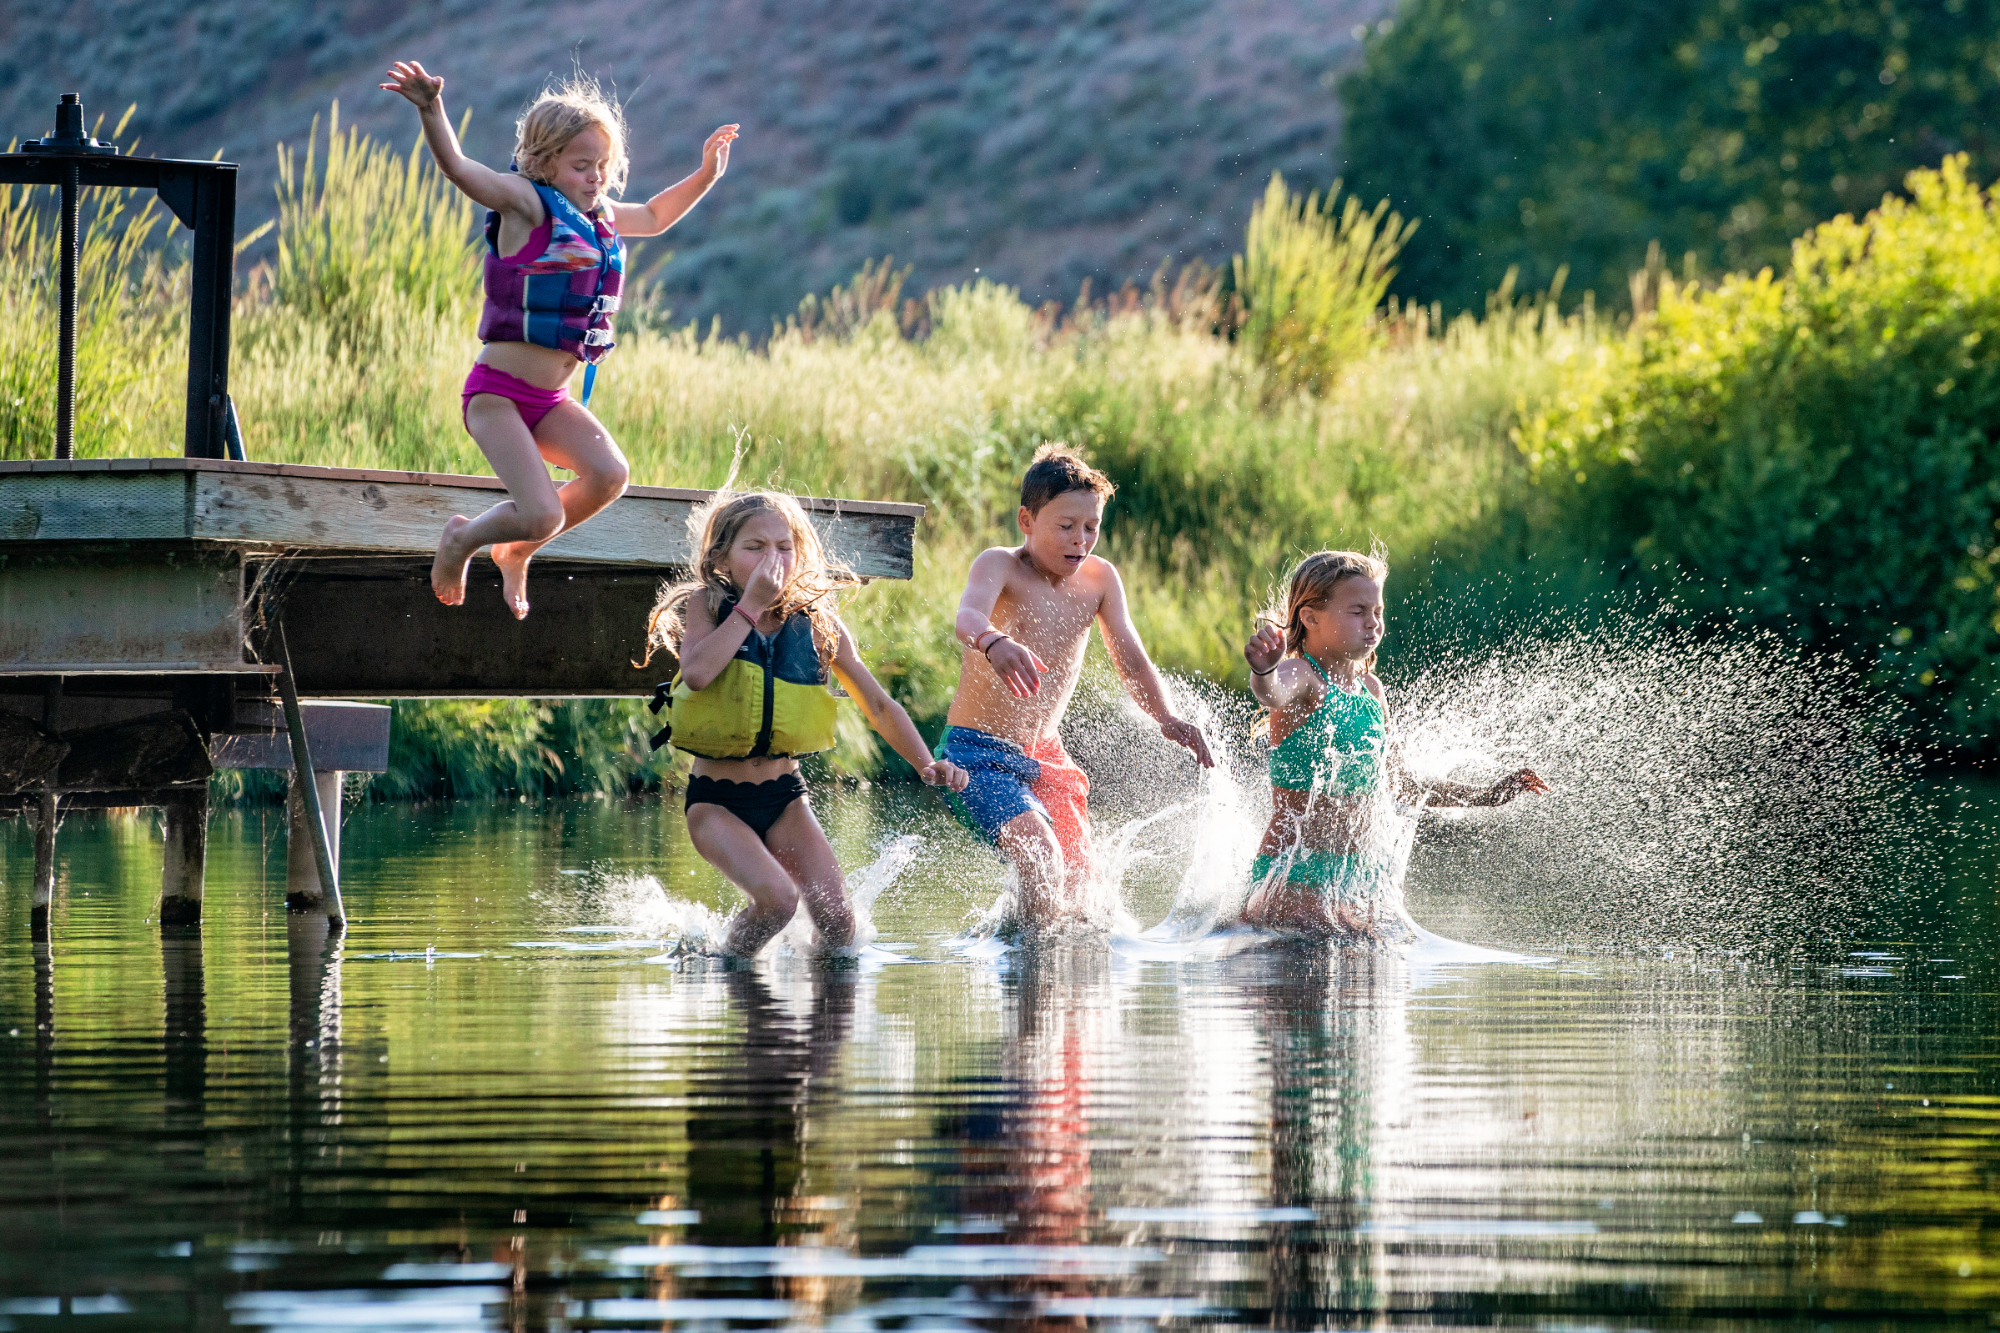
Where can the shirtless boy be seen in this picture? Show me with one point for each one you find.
(1024, 622)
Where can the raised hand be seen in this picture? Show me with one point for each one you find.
(1019, 667)
(766, 582)
(715, 153)
(1265, 649)
(412, 80)
(1514, 784)
(944, 773)
(1188, 734)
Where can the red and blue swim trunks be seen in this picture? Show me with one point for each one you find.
(1009, 781)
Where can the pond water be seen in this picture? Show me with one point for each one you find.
(502, 1101)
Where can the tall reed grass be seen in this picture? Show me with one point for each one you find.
(351, 347)
(1312, 279)
(131, 323)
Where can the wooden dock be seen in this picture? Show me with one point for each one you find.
(143, 603)
(180, 566)
(163, 617)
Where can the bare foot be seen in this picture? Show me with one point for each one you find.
(448, 570)
(513, 558)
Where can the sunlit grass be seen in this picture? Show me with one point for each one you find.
(351, 352)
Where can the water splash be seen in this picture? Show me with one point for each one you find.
(799, 940)
(1725, 793)
(641, 906)
(1716, 792)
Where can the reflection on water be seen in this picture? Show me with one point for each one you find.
(484, 1107)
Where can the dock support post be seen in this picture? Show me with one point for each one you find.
(46, 820)
(184, 871)
(305, 788)
(304, 891)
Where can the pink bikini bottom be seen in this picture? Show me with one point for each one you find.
(534, 403)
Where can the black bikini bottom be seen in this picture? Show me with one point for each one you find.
(758, 804)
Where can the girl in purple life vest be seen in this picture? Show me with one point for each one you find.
(554, 269)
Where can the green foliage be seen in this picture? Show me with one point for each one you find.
(483, 748)
(1815, 453)
(1310, 280)
(368, 237)
(130, 370)
(1748, 439)
(1575, 131)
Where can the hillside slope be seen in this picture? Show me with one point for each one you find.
(1036, 143)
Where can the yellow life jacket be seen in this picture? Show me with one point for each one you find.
(771, 700)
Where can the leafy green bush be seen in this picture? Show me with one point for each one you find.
(1815, 453)
(1572, 133)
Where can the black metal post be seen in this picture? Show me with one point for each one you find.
(208, 316)
(66, 344)
(202, 197)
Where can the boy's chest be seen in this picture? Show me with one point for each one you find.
(1048, 615)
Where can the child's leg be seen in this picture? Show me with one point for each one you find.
(531, 511)
(733, 847)
(570, 437)
(1030, 843)
(800, 846)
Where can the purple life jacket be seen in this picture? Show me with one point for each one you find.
(561, 290)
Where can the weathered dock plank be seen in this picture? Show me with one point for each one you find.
(179, 566)
(320, 511)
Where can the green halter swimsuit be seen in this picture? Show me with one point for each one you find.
(1336, 751)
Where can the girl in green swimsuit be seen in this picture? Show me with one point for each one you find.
(1322, 866)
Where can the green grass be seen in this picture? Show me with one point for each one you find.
(352, 351)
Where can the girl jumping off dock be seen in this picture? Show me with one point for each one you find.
(758, 637)
(1327, 855)
(555, 265)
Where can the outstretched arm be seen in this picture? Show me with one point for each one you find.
(890, 718)
(503, 192)
(1469, 794)
(1455, 794)
(1141, 678)
(670, 205)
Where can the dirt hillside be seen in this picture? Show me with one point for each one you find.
(1037, 143)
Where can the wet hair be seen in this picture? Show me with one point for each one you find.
(1057, 469)
(562, 112)
(712, 530)
(1313, 582)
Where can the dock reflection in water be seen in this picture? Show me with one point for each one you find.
(486, 1106)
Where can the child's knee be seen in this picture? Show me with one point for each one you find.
(777, 898)
(1030, 836)
(541, 520)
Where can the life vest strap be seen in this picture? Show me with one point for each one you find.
(765, 729)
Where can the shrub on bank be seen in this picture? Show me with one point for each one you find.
(1814, 453)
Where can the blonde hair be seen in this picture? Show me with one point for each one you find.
(1313, 581)
(712, 530)
(560, 114)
